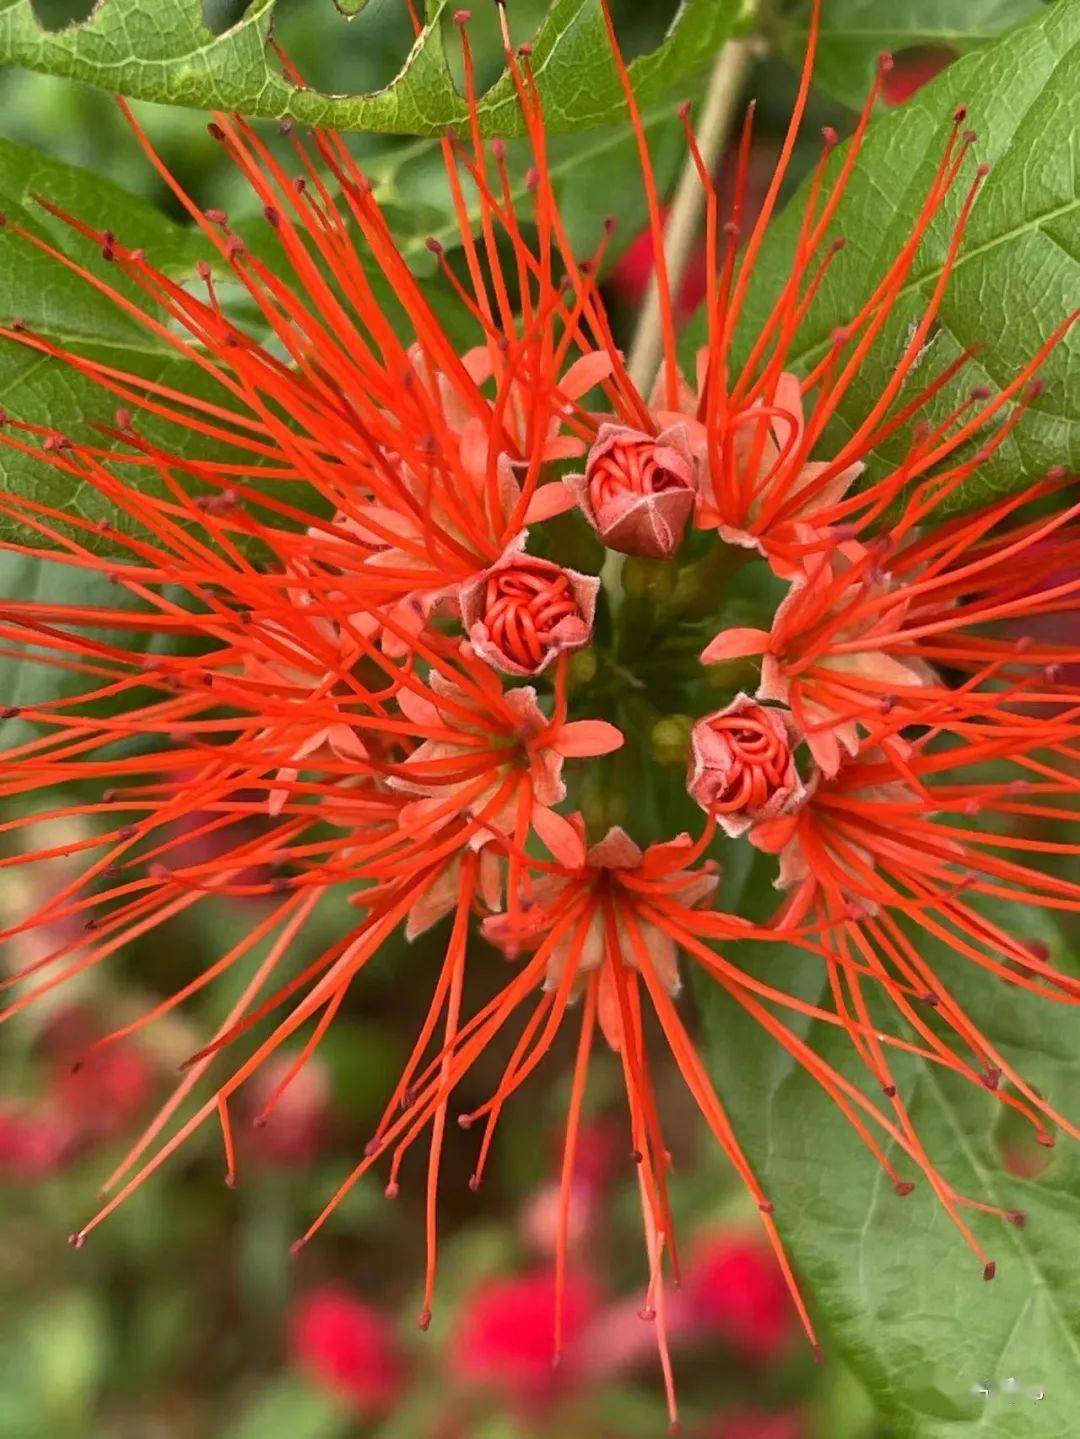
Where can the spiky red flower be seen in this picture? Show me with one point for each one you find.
(338, 588)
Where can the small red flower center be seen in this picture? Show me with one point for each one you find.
(759, 760)
(631, 466)
(523, 603)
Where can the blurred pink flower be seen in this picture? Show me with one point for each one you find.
(540, 1219)
(506, 1335)
(294, 1130)
(101, 1090)
(34, 1143)
(86, 1096)
(733, 1288)
(346, 1346)
(600, 1149)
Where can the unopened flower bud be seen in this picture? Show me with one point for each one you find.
(524, 611)
(742, 767)
(638, 491)
(602, 803)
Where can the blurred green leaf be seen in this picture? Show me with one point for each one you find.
(844, 1407)
(291, 1409)
(899, 1293)
(65, 1354)
(163, 50)
(855, 32)
(1018, 275)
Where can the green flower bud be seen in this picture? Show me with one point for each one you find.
(582, 668)
(670, 739)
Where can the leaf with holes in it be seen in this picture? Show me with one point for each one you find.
(1018, 274)
(163, 50)
(855, 32)
(896, 1290)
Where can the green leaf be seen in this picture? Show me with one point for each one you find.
(855, 32)
(1018, 275)
(899, 1294)
(24, 680)
(65, 1353)
(54, 302)
(163, 50)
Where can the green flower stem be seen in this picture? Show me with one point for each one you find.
(701, 586)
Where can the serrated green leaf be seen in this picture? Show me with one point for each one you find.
(163, 50)
(1018, 275)
(899, 1294)
(855, 32)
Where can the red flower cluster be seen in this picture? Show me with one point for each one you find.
(353, 584)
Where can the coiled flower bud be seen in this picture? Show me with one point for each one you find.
(742, 767)
(524, 611)
(638, 491)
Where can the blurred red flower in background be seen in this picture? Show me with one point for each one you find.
(87, 1095)
(348, 1347)
(505, 1337)
(631, 275)
(734, 1288)
(912, 69)
(100, 1088)
(34, 1142)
